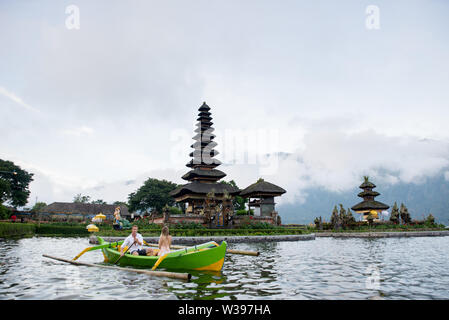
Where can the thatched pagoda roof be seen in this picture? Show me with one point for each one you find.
(368, 193)
(192, 164)
(202, 188)
(198, 173)
(370, 205)
(367, 185)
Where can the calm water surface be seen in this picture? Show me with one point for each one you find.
(326, 268)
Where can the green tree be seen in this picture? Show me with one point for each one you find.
(79, 198)
(4, 212)
(342, 217)
(38, 207)
(120, 203)
(154, 194)
(430, 220)
(318, 223)
(394, 217)
(405, 216)
(349, 218)
(370, 218)
(238, 202)
(335, 219)
(99, 201)
(14, 184)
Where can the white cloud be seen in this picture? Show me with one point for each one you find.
(78, 131)
(11, 96)
(346, 102)
(336, 161)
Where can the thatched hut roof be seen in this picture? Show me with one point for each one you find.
(83, 208)
(262, 187)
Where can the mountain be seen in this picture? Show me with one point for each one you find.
(429, 196)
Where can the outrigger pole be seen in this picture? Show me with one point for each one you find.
(174, 275)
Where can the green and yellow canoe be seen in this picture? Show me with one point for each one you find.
(207, 256)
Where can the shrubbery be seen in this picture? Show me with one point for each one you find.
(257, 225)
(188, 225)
(4, 212)
(55, 229)
(244, 212)
(175, 211)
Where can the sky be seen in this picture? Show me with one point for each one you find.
(309, 90)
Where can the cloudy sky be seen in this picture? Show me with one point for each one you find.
(313, 94)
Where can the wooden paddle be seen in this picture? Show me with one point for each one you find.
(124, 252)
(158, 262)
(108, 245)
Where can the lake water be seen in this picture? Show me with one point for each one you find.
(325, 268)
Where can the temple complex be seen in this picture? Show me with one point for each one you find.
(369, 204)
(210, 202)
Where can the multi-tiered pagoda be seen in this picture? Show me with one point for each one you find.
(369, 204)
(203, 176)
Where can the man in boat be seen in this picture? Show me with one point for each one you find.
(135, 242)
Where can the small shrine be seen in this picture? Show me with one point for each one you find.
(262, 193)
(369, 205)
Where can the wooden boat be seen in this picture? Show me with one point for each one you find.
(207, 256)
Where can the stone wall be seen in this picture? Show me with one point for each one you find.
(396, 234)
(238, 220)
(193, 218)
(229, 239)
(174, 219)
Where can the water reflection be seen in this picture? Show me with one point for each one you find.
(402, 268)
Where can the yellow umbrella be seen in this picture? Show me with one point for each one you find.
(100, 216)
(374, 213)
(92, 228)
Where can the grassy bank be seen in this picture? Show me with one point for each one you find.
(385, 228)
(16, 230)
(8, 230)
(79, 230)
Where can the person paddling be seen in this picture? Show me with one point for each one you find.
(134, 242)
